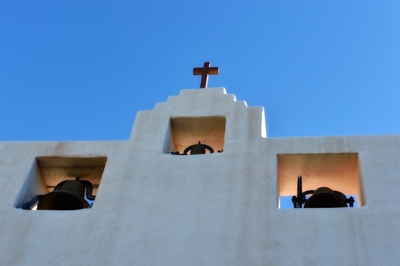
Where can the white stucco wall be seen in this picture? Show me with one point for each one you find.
(154, 208)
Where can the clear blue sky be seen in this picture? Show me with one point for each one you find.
(80, 70)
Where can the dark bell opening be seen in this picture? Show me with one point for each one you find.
(198, 149)
(325, 201)
(64, 202)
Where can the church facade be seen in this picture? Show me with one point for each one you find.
(157, 202)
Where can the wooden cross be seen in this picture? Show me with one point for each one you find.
(204, 72)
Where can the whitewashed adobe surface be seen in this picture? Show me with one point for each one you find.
(154, 208)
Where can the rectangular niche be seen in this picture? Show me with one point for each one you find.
(338, 171)
(47, 172)
(186, 131)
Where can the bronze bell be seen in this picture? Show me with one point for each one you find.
(69, 197)
(198, 148)
(325, 197)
